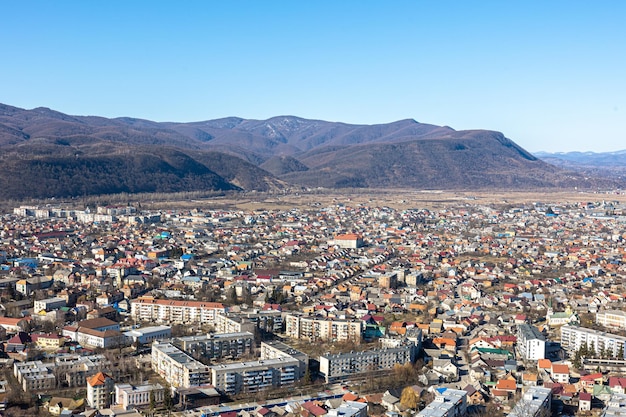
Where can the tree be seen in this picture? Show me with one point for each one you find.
(168, 402)
(152, 402)
(409, 398)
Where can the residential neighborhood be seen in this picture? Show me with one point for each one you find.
(343, 310)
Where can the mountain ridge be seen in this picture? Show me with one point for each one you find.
(233, 153)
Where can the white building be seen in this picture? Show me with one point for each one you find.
(254, 376)
(217, 345)
(147, 335)
(447, 403)
(611, 319)
(574, 337)
(177, 368)
(339, 366)
(615, 407)
(314, 328)
(165, 311)
(49, 304)
(275, 349)
(129, 396)
(536, 401)
(531, 343)
(100, 391)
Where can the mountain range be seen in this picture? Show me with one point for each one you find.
(596, 164)
(46, 153)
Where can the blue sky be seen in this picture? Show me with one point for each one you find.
(550, 75)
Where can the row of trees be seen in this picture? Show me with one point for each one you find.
(589, 351)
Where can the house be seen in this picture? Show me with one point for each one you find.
(508, 385)
(560, 373)
(473, 395)
(587, 382)
(617, 385)
(58, 405)
(529, 379)
(584, 401)
(447, 369)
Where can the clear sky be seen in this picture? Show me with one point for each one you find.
(550, 75)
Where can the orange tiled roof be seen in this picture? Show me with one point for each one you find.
(98, 379)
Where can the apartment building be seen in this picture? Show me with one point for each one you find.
(531, 343)
(340, 366)
(34, 376)
(255, 375)
(74, 370)
(148, 309)
(100, 391)
(536, 401)
(217, 345)
(447, 403)
(275, 349)
(129, 396)
(611, 319)
(233, 323)
(574, 337)
(314, 328)
(178, 368)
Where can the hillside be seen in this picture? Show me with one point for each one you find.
(46, 153)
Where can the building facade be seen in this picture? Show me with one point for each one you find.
(178, 368)
(313, 328)
(217, 345)
(100, 391)
(129, 396)
(254, 376)
(574, 337)
(148, 309)
(340, 366)
(612, 319)
(531, 343)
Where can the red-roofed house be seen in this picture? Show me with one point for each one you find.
(560, 373)
(584, 401)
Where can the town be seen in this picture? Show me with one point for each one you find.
(341, 309)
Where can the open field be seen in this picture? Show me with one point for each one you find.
(397, 199)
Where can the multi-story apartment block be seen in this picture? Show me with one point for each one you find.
(447, 403)
(537, 401)
(178, 368)
(100, 391)
(574, 337)
(233, 323)
(340, 366)
(611, 319)
(34, 375)
(254, 376)
(313, 328)
(276, 349)
(531, 343)
(129, 396)
(73, 370)
(148, 309)
(217, 345)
